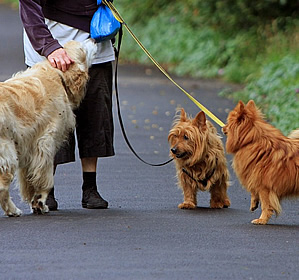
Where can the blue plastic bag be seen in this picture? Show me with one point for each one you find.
(103, 25)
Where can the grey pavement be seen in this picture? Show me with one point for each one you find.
(143, 235)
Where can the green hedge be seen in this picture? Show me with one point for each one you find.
(224, 14)
(243, 41)
(253, 42)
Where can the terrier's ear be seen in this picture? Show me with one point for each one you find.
(200, 120)
(183, 115)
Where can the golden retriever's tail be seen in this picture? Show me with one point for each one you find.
(294, 134)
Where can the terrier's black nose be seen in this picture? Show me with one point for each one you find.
(174, 150)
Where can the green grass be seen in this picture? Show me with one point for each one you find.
(277, 92)
(188, 41)
(265, 60)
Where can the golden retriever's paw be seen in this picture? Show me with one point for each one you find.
(40, 210)
(259, 222)
(187, 205)
(38, 206)
(16, 213)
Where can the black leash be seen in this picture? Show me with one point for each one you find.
(120, 33)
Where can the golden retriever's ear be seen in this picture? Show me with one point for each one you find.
(200, 120)
(183, 115)
(75, 80)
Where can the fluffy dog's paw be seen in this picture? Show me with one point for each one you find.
(254, 206)
(259, 222)
(187, 205)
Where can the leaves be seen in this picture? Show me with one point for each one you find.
(244, 41)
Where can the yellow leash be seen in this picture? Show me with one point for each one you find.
(120, 19)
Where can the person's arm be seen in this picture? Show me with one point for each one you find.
(33, 20)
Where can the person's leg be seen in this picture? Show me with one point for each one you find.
(89, 164)
(95, 131)
(91, 199)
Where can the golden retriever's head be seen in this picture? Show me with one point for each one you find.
(76, 77)
(188, 138)
(241, 127)
(82, 52)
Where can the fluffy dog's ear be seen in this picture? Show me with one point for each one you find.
(253, 110)
(200, 120)
(240, 108)
(183, 115)
(251, 106)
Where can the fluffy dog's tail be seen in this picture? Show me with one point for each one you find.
(294, 134)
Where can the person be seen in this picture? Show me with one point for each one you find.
(48, 25)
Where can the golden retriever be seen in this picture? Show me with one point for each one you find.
(36, 115)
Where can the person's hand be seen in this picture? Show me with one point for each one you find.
(60, 59)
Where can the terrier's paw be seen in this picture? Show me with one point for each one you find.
(226, 203)
(219, 204)
(216, 204)
(187, 205)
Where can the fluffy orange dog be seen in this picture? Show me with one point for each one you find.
(266, 162)
(200, 162)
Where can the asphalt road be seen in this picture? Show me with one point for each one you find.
(143, 235)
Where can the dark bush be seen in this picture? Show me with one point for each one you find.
(227, 15)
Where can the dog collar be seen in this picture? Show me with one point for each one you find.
(203, 182)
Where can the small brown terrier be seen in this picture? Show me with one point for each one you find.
(265, 161)
(200, 162)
